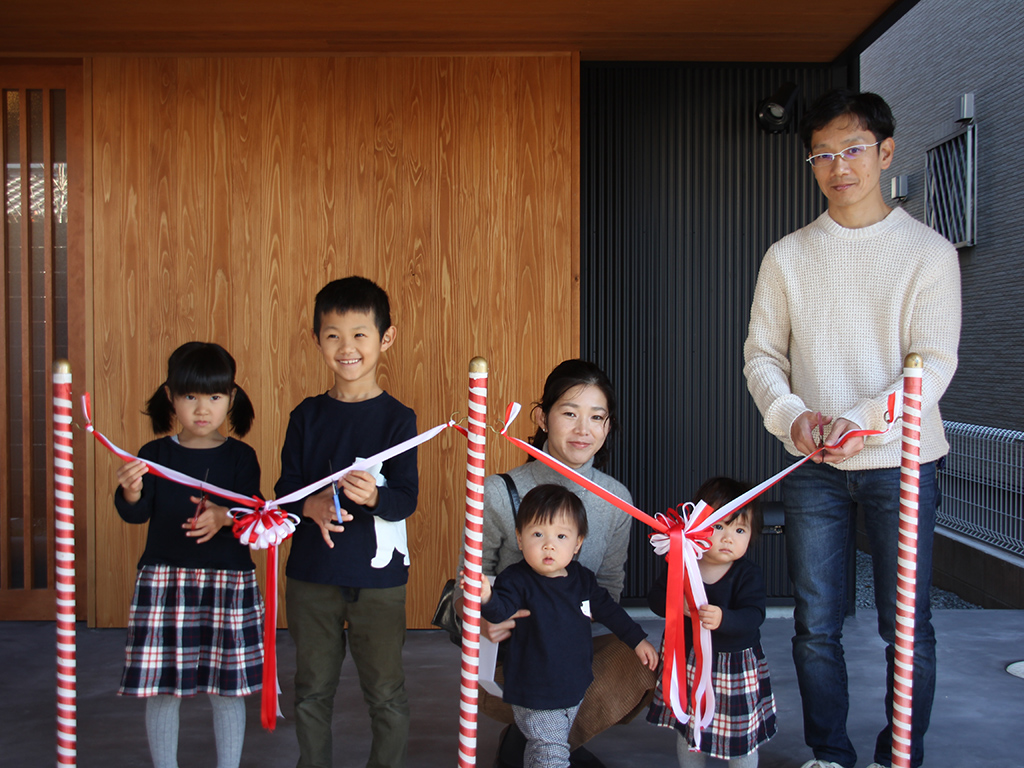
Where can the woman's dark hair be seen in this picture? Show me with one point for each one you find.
(352, 294)
(869, 109)
(719, 491)
(568, 375)
(200, 368)
(546, 503)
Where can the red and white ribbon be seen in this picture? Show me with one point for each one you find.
(906, 568)
(364, 465)
(64, 519)
(687, 538)
(476, 455)
(161, 471)
(257, 541)
(262, 524)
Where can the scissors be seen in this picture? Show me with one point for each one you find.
(334, 491)
(201, 506)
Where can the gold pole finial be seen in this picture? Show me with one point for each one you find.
(913, 360)
(61, 366)
(478, 365)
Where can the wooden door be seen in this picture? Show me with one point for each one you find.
(42, 312)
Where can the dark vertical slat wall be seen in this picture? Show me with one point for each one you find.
(682, 193)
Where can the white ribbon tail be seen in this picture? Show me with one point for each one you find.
(702, 716)
(511, 414)
(703, 675)
(673, 700)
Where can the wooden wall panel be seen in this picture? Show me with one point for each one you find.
(228, 191)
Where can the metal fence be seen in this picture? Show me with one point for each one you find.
(982, 485)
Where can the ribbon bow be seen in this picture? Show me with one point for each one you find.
(688, 538)
(263, 528)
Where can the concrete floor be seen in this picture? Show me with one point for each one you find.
(977, 721)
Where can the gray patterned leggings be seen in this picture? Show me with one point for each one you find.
(547, 735)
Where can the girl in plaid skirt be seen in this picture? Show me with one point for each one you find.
(196, 616)
(744, 705)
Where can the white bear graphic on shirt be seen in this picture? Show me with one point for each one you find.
(391, 536)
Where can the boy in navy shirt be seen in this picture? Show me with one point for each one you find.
(547, 659)
(349, 559)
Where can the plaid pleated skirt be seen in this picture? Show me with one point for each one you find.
(194, 630)
(744, 705)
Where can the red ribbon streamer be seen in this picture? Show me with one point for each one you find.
(268, 696)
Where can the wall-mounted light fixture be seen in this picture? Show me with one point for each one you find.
(900, 187)
(966, 109)
(775, 113)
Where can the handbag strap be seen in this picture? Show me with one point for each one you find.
(513, 492)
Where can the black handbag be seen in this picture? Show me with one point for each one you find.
(445, 615)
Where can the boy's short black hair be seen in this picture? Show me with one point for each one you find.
(719, 491)
(869, 109)
(545, 503)
(353, 294)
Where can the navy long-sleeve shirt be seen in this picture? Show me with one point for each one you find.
(324, 436)
(740, 593)
(548, 658)
(165, 505)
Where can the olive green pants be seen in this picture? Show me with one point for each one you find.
(317, 614)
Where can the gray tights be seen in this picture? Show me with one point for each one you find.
(162, 729)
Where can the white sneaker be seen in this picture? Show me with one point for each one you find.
(822, 764)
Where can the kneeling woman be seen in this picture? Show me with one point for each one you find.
(576, 418)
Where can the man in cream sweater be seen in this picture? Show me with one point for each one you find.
(838, 305)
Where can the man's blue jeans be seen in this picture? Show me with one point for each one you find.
(821, 505)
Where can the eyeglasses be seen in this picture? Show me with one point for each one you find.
(848, 154)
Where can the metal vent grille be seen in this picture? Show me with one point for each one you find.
(951, 187)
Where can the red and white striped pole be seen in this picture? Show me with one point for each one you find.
(906, 575)
(476, 454)
(64, 500)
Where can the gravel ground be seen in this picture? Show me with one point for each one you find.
(866, 595)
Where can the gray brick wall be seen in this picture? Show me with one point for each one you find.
(938, 51)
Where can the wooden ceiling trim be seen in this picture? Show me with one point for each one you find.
(671, 30)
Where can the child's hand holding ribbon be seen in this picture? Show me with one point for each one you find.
(360, 487)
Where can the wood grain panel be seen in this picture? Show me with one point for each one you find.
(119, 141)
(228, 191)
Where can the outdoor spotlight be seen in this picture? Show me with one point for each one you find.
(775, 113)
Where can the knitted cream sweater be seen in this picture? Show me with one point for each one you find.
(835, 312)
